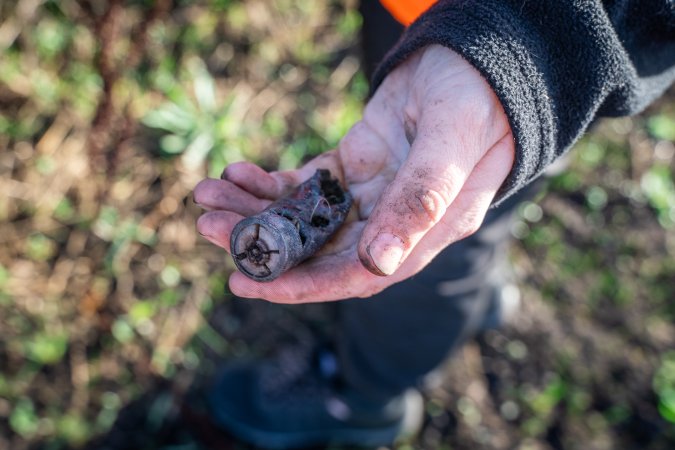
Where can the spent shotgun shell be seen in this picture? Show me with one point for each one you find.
(291, 229)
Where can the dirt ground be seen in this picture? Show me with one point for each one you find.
(114, 312)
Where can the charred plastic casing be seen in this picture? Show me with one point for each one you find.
(291, 229)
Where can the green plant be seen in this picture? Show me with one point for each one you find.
(664, 386)
(23, 419)
(662, 126)
(47, 348)
(659, 188)
(196, 126)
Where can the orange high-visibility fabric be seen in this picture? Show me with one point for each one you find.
(406, 11)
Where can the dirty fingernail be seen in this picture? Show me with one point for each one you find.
(194, 200)
(386, 252)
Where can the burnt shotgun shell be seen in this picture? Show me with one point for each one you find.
(291, 229)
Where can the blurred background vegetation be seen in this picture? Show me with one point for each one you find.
(110, 113)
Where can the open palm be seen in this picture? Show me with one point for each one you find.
(423, 165)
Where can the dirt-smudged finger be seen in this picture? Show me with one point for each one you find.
(253, 179)
(410, 206)
(216, 226)
(213, 194)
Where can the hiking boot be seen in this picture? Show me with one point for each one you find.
(297, 400)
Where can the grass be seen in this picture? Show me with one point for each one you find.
(111, 112)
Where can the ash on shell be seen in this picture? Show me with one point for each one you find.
(291, 229)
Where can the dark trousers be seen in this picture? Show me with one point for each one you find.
(391, 341)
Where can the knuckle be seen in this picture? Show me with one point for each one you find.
(430, 201)
(351, 145)
(363, 165)
(231, 172)
(471, 226)
(198, 193)
(284, 182)
(348, 141)
(434, 204)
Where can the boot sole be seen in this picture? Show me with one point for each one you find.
(407, 427)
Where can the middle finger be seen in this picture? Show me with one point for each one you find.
(213, 194)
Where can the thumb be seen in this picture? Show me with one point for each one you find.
(411, 205)
(425, 186)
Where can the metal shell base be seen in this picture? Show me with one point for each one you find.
(264, 246)
(291, 229)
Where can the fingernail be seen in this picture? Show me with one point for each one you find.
(194, 200)
(386, 252)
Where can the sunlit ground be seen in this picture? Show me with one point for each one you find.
(110, 113)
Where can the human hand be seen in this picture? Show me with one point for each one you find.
(423, 165)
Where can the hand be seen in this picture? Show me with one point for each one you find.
(423, 165)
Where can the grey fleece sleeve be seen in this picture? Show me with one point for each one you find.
(554, 64)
